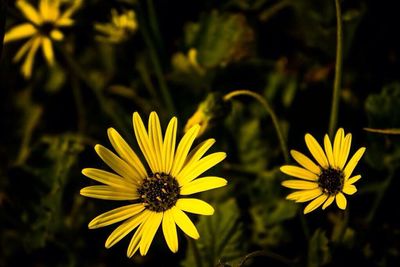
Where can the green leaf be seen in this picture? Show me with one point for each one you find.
(318, 250)
(220, 237)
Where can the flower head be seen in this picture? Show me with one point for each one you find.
(119, 29)
(42, 28)
(327, 180)
(157, 191)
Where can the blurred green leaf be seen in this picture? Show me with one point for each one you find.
(318, 249)
(220, 237)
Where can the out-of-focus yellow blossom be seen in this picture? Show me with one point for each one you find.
(188, 62)
(42, 28)
(121, 27)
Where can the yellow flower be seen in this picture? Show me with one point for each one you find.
(330, 178)
(42, 28)
(158, 193)
(120, 27)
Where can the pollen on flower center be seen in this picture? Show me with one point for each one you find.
(331, 181)
(159, 192)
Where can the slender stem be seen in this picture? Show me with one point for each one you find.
(269, 254)
(304, 225)
(269, 110)
(338, 71)
(196, 253)
(271, 11)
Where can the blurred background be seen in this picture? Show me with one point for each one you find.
(179, 57)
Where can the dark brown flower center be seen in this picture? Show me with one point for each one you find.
(331, 181)
(159, 192)
(46, 27)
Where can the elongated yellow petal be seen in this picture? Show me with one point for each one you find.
(329, 151)
(349, 189)
(202, 184)
(168, 149)
(156, 140)
(116, 215)
(194, 205)
(149, 230)
(183, 222)
(117, 164)
(64, 22)
(48, 50)
(328, 202)
(304, 195)
(196, 169)
(337, 145)
(183, 149)
(348, 170)
(316, 150)
(299, 184)
(29, 12)
(299, 172)
(19, 32)
(169, 230)
(135, 241)
(107, 178)
(304, 161)
(315, 203)
(23, 50)
(144, 142)
(344, 153)
(26, 68)
(126, 153)
(353, 179)
(56, 35)
(341, 201)
(126, 227)
(198, 152)
(44, 9)
(109, 193)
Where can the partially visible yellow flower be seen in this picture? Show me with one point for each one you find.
(188, 62)
(330, 178)
(121, 27)
(42, 29)
(158, 191)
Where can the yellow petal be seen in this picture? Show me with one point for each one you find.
(202, 184)
(149, 230)
(183, 222)
(353, 179)
(169, 230)
(344, 153)
(194, 205)
(316, 150)
(26, 68)
(23, 50)
(299, 184)
(299, 172)
(56, 35)
(349, 189)
(116, 215)
(169, 145)
(65, 22)
(198, 152)
(156, 140)
(19, 32)
(107, 178)
(144, 142)
(126, 153)
(183, 149)
(329, 151)
(109, 193)
(328, 202)
(315, 203)
(304, 161)
(126, 227)
(48, 50)
(196, 169)
(348, 170)
(117, 164)
(341, 201)
(135, 241)
(29, 12)
(304, 195)
(44, 9)
(337, 145)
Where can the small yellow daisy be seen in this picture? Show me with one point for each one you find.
(42, 28)
(327, 181)
(157, 193)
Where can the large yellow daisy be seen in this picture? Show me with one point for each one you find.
(157, 193)
(42, 29)
(327, 180)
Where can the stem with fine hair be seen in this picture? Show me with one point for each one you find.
(338, 71)
(269, 110)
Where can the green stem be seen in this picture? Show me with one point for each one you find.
(266, 253)
(271, 11)
(338, 71)
(196, 253)
(269, 110)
